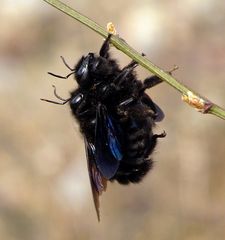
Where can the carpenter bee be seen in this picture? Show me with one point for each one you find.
(116, 118)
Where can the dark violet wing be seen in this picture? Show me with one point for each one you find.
(107, 142)
(98, 182)
(160, 114)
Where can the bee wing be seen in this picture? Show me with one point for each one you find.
(98, 182)
(160, 113)
(107, 143)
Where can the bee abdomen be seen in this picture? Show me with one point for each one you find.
(133, 172)
(139, 143)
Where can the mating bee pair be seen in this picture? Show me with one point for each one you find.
(116, 118)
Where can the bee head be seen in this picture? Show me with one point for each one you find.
(85, 70)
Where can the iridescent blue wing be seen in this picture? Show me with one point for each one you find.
(107, 142)
(98, 182)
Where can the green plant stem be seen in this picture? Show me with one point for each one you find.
(120, 44)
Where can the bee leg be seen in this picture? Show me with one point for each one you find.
(132, 64)
(151, 82)
(104, 51)
(153, 142)
(125, 73)
(154, 80)
(119, 80)
(161, 135)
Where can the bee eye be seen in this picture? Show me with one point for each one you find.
(77, 99)
(82, 70)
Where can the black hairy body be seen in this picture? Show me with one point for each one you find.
(116, 118)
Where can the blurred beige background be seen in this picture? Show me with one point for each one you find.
(44, 186)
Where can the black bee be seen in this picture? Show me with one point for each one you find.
(116, 118)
